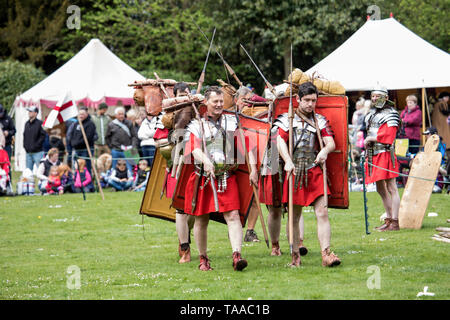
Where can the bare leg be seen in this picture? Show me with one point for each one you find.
(385, 197)
(323, 223)
(296, 229)
(181, 223)
(252, 216)
(274, 223)
(234, 229)
(201, 234)
(391, 187)
(301, 225)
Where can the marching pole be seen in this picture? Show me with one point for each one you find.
(255, 188)
(291, 182)
(90, 158)
(366, 216)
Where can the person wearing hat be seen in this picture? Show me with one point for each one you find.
(8, 129)
(382, 123)
(101, 121)
(33, 138)
(438, 186)
(440, 116)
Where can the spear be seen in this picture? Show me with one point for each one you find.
(261, 74)
(227, 66)
(202, 129)
(202, 75)
(291, 151)
(271, 88)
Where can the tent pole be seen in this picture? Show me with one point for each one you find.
(423, 115)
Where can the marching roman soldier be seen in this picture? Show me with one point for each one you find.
(244, 93)
(382, 123)
(305, 167)
(270, 194)
(183, 222)
(213, 184)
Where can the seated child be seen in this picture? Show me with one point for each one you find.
(66, 177)
(142, 175)
(53, 185)
(121, 179)
(83, 180)
(103, 164)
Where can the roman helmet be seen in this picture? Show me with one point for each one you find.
(383, 92)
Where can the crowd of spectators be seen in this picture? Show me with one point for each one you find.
(410, 130)
(60, 159)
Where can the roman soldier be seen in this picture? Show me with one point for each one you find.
(382, 122)
(308, 186)
(213, 186)
(166, 141)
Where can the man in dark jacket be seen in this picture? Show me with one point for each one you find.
(76, 140)
(121, 136)
(33, 138)
(8, 128)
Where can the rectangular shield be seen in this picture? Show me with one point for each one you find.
(334, 108)
(153, 204)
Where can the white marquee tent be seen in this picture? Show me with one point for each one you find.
(94, 75)
(385, 52)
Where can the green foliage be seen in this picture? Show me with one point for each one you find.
(32, 29)
(145, 34)
(267, 28)
(428, 19)
(15, 78)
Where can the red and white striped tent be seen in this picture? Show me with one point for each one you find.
(94, 75)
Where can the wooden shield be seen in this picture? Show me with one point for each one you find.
(418, 191)
(334, 108)
(153, 204)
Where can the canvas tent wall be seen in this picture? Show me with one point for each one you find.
(386, 52)
(94, 75)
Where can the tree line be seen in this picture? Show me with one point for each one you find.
(162, 36)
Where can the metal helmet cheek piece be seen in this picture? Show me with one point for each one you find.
(383, 93)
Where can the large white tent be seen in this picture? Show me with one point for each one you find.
(94, 75)
(385, 52)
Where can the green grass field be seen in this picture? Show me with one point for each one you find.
(42, 237)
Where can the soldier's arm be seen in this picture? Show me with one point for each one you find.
(328, 147)
(284, 152)
(201, 157)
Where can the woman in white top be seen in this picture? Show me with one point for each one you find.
(146, 133)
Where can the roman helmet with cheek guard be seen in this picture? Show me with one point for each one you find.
(383, 92)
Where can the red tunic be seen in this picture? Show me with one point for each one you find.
(384, 135)
(228, 200)
(270, 190)
(307, 194)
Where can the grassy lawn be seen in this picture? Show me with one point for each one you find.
(41, 237)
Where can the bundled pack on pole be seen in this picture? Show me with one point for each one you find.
(228, 94)
(151, 92)
(178, 110)
(298, 77)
